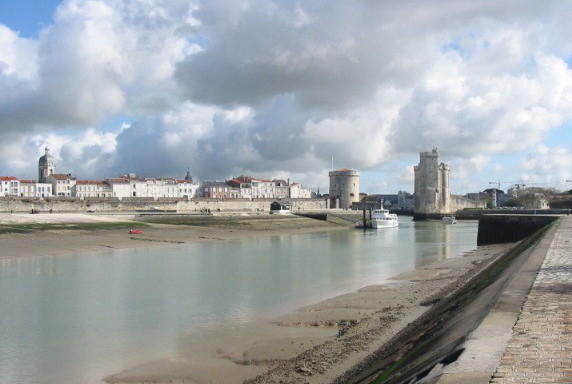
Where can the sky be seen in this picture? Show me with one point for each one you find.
(283, 89)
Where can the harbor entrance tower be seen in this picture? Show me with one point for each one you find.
(344, 188)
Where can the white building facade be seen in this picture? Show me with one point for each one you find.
(30, 188)
(62, 184)
(187, 189)
(91, 188)
(297, 191)
(9, 186)
(262, 189)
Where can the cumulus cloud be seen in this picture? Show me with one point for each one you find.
(279, 87)
(99, 58)
(548, 166)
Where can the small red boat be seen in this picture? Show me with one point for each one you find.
(136, 231)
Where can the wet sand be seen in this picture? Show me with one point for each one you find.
(66, 242)
(321, 342)
(315, 344)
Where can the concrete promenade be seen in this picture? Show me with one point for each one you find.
(540, 348)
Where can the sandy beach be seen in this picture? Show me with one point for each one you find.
(315, 344)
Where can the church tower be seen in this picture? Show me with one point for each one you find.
(188, 176)
(46, 166)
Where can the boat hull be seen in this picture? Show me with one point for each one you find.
(384, 223)
(449, 220)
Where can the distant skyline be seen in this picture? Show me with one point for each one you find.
(278, 88)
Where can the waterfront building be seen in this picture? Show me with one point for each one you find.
(186, 188)
(46, 166)
(91, 188)
(297, 191)
(131, 185)
(281, 189)
(219, 190)
(120, 187)
(344, 188)
(262, 189)
(31, 188)
(162, 187)
(244, 188)
(62, 183)
(9, 186)
(259, 189)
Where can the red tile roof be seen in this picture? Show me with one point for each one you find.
(92, 182)
(118, 180)
(8, 178)
(61, 176)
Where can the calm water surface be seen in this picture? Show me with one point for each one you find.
(77, 319)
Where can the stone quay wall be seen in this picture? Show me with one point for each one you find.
(459, 203)
(131, 204)
(496, 229)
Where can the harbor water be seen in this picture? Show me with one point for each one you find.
(77, 319)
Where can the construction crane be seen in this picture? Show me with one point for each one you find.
(498, 184)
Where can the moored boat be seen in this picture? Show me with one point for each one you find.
(449, 220)
(381, 218)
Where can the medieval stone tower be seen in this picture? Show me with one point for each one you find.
(432, 189)
(46, 166)
(344, 188)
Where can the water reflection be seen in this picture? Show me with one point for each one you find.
(84, 317)
(436, 241)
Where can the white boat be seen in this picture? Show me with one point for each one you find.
(449, 220)
(381, 218)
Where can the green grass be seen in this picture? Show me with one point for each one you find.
(35, 227)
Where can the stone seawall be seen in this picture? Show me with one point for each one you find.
(70, 204)
(257, 205)
(458, 203)
(497, 229)
(475, 214)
